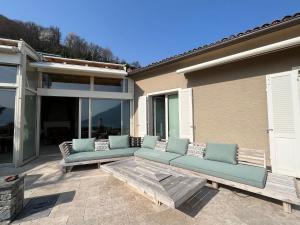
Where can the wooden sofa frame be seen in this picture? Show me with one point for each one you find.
(279, 187)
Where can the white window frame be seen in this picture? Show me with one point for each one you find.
(166, 93)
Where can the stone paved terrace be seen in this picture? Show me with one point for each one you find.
(88, 195)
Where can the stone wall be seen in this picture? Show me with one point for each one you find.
(11, 198)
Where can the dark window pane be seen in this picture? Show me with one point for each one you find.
(69, 82)
(159, 116)
(85, 118)
(107, 84)
(8, 74)
(125, 117)
(7, 111)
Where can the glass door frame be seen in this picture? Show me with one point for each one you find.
(150, 110)
(15, 87)
(90, 114)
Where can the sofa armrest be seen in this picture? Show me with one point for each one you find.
(65, 148)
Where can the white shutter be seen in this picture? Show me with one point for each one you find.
(186, 123)
(142, 116)
(284, 122)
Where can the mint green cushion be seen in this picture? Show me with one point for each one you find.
(221, 152)
(150, 141)
(156, 155)
(178, 145)
(116, 142)
(95, 155)
(245, 174)
(83, 145)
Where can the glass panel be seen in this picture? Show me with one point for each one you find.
(106, 84)
(7, 112)
(126, 117)
(59, 119)
(31, 78)
(84, 118)
(29, 142)
(106, 118)
(8, 74)
(159, 116)
(173, 116)
(68, 82)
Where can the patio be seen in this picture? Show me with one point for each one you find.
(90, 196)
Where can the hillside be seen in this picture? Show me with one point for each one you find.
(49, 40)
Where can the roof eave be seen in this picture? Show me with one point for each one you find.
(253, 34)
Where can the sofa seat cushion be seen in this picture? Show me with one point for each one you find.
(156, 155)
(87, 156)
(245, 174)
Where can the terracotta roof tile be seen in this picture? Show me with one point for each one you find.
(254, 30)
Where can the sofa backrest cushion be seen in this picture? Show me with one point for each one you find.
(83, 145)
(221, 152)
(178, 145)
(150, 141)
(117, 142)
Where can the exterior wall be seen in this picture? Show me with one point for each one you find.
(230, 101)
(153, 82)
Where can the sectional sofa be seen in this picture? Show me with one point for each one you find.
(218, 160)
(226, 164)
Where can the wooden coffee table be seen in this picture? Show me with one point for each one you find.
(156, 182)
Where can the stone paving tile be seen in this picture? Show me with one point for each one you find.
(91, 196)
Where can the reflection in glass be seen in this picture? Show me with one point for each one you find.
(29, 142)
(159, 116)
(69, 82)
(125, 117)
(7, 111)
(31, 80)
(106, 118)
(107, 84)
(8, 74)
(84, 118)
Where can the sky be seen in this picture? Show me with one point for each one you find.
(148, 31)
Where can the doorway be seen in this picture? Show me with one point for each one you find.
(166, 116)
(59, 120)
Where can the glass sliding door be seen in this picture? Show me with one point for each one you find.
(125, 117)
(159, 116)
(173, 116)
(7, 112)
(29, 139)
(84, 120)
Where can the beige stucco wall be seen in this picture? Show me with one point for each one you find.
(230, 101)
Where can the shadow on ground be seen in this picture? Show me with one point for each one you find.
(41, 206)
(193, 205)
